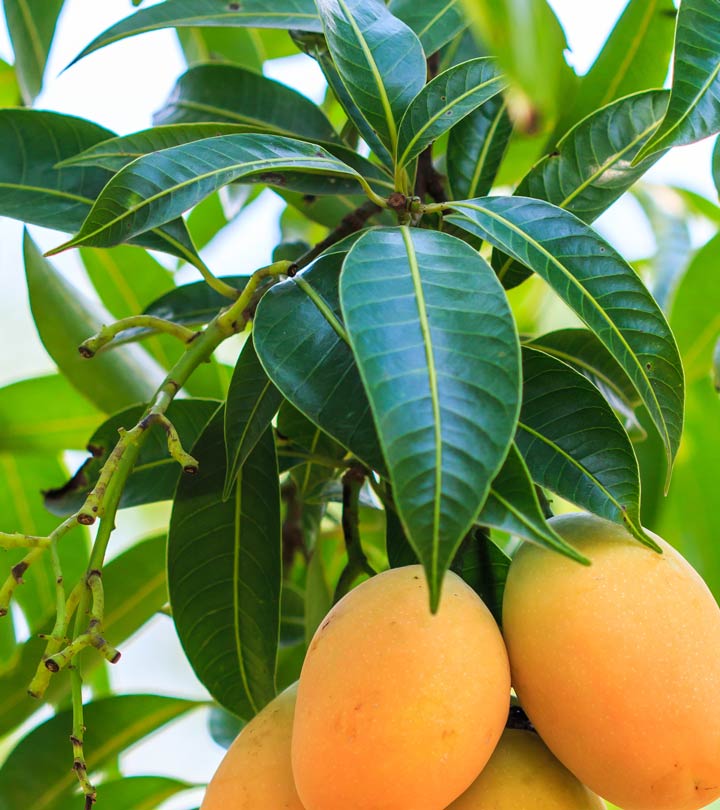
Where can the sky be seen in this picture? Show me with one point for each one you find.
(120, 87)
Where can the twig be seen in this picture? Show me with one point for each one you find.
(357, 564)
(92, 345)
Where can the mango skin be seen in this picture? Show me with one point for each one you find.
(522, 774)
(618, 665)
(255, 773)
(398, 708)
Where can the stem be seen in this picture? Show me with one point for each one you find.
(226, 290)
(78, 737)
(357, 561)
(92, 345)
(15, 540)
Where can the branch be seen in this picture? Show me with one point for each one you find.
(92, 345)
(357, 564)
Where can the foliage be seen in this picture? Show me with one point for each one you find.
(398, 395)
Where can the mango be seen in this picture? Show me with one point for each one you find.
(398, 708)
(255, 773)
(522, 774)
(618, 665)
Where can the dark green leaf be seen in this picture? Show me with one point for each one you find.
(224, 726)
(224, 572)
(693, 112)
(36, 773)
(716, 165)
(139, 792)
(156, 473)
(380, 60)
(159, 187)
(513, 506)
(252, 401)
(574, 444)
(26, 426)
(485, 569)
(594, 280)
(192, 13)
(31, 25)
(445, 101)
(193, 304)
(441, 374)
(476, 147)
(310, 361)
(635, 57)
(233, 95)
(399, 551)
(318, 594)
(435, 22)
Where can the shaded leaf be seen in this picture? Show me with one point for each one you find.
(485, 569)
(252, 402)
(36, 773)
(442, 377)
(224, 572)
(399, 551)
(445, 101)
(476, 147)
(309, 359)
(594, 280)
(31, 25)
(193, 304)
(693, 111)
(156, 473)
(435, 22)
(380, 60)
(573, 443)
(191, 13)
(224, 726)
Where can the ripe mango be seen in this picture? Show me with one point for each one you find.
(398, 708)
(256, 773)
(618, 665)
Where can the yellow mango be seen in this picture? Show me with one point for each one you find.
(522, 774)
(618, 665)
(397, 708)
(256, 773)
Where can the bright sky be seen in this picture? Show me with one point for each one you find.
(120, 87)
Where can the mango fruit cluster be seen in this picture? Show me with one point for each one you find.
(617, 665)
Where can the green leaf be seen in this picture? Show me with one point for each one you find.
(252, 402)
(573, 443)
(9, 88)
(399, 550)
(318, 594)
(16, 705)
(309, 359)
(592, 165)
(594, 280)
(36, 774)
(442, 377)
(435, 22)
(485, 568)
(139, 792)
(225, 570)
(224, 726)
(193, 304)
(513, 506)
(284, 14)
(693, 112)
(31, 25)
(23, 477)
(156, 473)
(635, 57)
(64, 318)
(380, 60)
(159, 187)
(445, 101)
(233, 95)
(476, 147)
(27, 427)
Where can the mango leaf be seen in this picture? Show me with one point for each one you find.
(513, 506)
(399, 551)
(693, 111)
(156, 473)
(308, 358)
(36, 773)
(380, 60)
(159, 187)
(252, 402)
(193, 13)
(573, 443)
(27, 427)
(634, 57)
(435, 22)
(442, 377)
(64, 318)
(193, 304)
(139, 792)
(9, 88)
(592, 165)
(224, 572)
(16, 705)
(597, 283)
(31, 25)
(233, 95)
(447, 99)
(485, 568)
(476, 147)
(224, 726)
